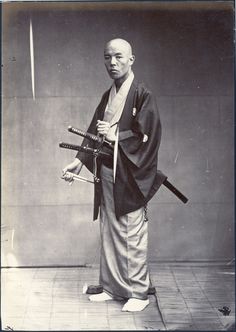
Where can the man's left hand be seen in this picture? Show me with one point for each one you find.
(103, 127)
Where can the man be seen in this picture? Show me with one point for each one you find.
(128, 117)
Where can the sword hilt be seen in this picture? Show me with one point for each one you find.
(84, 134)
(94, 152)
(90, 136)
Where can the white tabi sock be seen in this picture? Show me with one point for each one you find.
(100, 297)
(135, 305)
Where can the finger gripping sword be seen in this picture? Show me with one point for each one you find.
(94, 152)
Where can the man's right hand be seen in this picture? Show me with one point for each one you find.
(74, 167)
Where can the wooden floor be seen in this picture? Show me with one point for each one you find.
(188, 298)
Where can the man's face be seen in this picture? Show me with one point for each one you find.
(118, 60)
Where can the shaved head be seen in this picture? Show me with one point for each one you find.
(120, 43)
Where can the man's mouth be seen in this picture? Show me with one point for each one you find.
(113, 71)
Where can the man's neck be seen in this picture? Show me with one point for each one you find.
(120, 81)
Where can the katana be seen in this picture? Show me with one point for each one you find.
(86, 149)
(101, 140)
(94, 152)
(98, 152)
(98, 139)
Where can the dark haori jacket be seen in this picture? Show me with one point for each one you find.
(137, 178)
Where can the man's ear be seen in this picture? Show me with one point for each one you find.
(132, 59)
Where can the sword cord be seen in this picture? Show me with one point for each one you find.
(145, 212)
(95, 168)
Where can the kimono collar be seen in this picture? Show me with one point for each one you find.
(116, 100)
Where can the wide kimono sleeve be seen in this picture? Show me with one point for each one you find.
(140, 144)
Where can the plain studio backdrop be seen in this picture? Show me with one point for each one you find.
(184, 53)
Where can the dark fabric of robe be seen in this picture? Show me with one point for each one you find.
(137, 178)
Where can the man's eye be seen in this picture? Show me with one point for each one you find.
(118, 57)
(106, 57)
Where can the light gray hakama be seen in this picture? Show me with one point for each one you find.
(124, 243)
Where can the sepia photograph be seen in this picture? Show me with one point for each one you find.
(117, 166)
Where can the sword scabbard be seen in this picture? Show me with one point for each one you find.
(175, 191)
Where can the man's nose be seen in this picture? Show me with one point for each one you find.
(113, 61)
